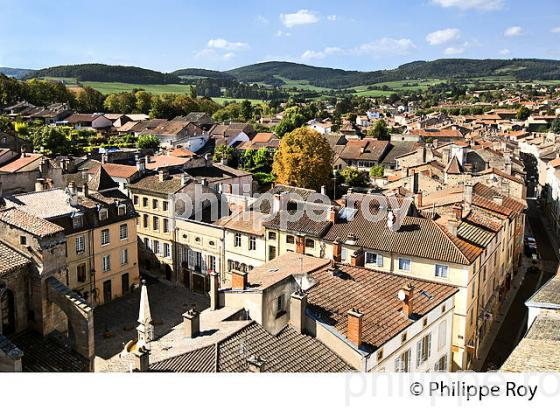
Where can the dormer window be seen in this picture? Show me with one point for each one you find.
(121, 209)
(77, 221)
(103, 214)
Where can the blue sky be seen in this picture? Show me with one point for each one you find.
(353, 34)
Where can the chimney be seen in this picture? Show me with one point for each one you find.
(337, 250)
(445, 157)
(458, 212)
(468, 193)
(203, 182)
(419, 199)
(453, 225)
(185, 178)
(323, 190)
(191, 323)
(214, 287)
(332, 214)
(405, 295)
(224, 160)
(39, 184)
(298, 303)
(238, 280)
(507, 167)
(146, 161)
(357, 258)
(85, 190)
(300, 244)
(140, 165)
(161, 175)
(208, 159)
(415, 182)
(256, 364)
(103, 158)
(142, 359)
(354, 333)
(43, 166)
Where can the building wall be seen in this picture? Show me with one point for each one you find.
(241, 254)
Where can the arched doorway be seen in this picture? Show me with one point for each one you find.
(8, 312)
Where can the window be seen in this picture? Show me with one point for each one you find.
(442, 335)
(290, 239)
(425, 322)
(473, 289)
(252, 243)
(374, 258)
(77, 221)
(423, 348)
(80, 245)
(402, 363)
(135, 200)
(145, 202)
(404, 337)
(147, 243)
(81, 272)
(380, 355)
(107, 263)
(145, 220)
(124, 257)
(441, 364)
(165, 205)
(211, 263)
(105, 237)
(166, 225)
(441, 271)
(237, 240)
(155, 222)
(309, 243)
(156, 247)
(166, 250)
(103, 214)
(280, 304)
(121, 210)
(154, 203)
(125, 283)
(404, 264)
(272, 235)
(123, 231)
(23, 240)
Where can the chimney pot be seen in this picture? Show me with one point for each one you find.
(354, 333)
(238, 280)
(256, 364)
(298, 304)
(142, 359)
(191, 323)
(408, 293)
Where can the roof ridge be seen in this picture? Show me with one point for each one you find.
(447, 234)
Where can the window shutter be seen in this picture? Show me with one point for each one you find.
(191, 259)
(409, 360)
(419, 352)
(379, 260)
(429, 346)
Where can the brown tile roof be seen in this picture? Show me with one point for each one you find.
(76, 118)
(248, 222)
(10, 259)
(116, 170)
(29, 223)
(418, 237)
(548, 295)
(366, 149)
(182, 153)
(153, 184)
(374, 294)
(21, 162)
(286, 352)
(165, 161)
(101, 180)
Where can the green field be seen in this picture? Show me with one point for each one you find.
(111, 88)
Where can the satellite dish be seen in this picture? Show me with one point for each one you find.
(401, 295)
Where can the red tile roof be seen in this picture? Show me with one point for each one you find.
(20, 163)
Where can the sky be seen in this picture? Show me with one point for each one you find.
(167, 35)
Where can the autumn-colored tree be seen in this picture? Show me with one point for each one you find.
(304, 159)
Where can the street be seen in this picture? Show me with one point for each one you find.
(514, 324)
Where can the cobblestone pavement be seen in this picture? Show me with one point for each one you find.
(514, 324)
(115, 322)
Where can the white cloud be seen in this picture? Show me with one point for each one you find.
(319, 55)
(386, 46)
(281, 33)
(443, 36)
(513, 31)
(332, 17)
(452, 51)
(555, 30)
(483, 5)
(220, 43)
(211, 54)
(262, 19)
(504, 52)
(299, 18)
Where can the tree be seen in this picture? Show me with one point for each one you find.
(90, 100)
(376, 171)
(52, 141)
(148, 142)
(354, 177)
(246, 110)
(304, 159)
(379, 131)
(522, 113)
(143, 101)
(5, 124)
(223, 152)
(555, 126)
